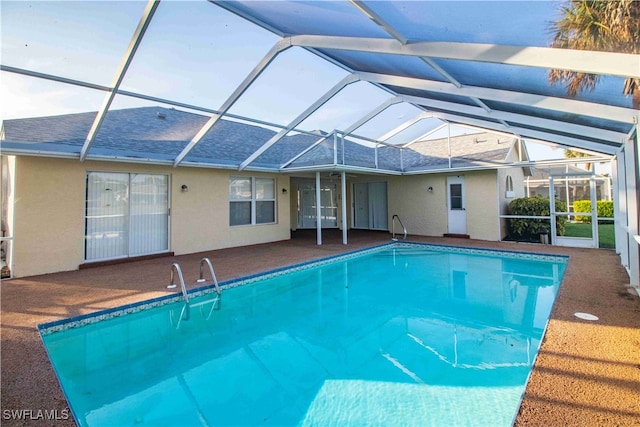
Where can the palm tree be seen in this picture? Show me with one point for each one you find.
(571, 154)
(599, 25)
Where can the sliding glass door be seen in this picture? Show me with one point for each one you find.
(126, 215)
(307, 211)
(370, 205)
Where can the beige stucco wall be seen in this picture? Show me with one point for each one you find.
(422, 212)
(518, 179)
(425, 213)
(482, 205)
(49, 208)
(48, 216)
(49, 212)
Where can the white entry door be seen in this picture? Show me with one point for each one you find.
(456, 204)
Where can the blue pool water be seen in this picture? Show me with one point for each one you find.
(403, 334)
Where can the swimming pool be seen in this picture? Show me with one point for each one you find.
(399, 334)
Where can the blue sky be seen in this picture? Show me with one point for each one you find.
(193, 52)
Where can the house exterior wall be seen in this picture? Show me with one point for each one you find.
(504, 198)
(50, 208)
(50, 203)
(482, 205)
(422, 212)
(48, 216)
(425, 213)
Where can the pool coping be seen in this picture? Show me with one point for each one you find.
(89, 318)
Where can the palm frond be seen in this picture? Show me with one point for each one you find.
(599, 25)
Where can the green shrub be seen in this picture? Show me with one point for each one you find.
(582, 206)
(604, 207)
(530, 229)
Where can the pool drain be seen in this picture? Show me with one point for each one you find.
(585, 316)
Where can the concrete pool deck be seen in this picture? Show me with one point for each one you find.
(586, 373)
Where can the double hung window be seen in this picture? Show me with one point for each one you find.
(251, 201)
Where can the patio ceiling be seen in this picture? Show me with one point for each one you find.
(482, 64)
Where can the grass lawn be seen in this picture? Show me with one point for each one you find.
(605, 233)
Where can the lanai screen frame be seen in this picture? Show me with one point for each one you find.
(612, 128)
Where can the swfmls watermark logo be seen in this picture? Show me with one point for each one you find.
(35, 414)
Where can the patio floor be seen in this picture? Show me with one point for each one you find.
(586, 373)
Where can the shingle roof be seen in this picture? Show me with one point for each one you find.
(160, 134)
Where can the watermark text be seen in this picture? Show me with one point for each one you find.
(35, 414)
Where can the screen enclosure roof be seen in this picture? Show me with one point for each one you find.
(380, 74)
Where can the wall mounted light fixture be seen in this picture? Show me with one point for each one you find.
(430, 189)
(184, 188)
(284, 191)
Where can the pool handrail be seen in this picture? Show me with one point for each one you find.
(213, 274)
(393, 228)
(175, 267)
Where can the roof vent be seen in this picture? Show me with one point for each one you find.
(161, 116)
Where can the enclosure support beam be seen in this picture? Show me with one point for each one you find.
(343, 189)
(379, 20)
(279, 47)
(552, 211)
(519, 119)
(379, 109)
(631, 155)
(145, 20)
(404, 126)
(594, 210)
(318, 210)
(591, 62)
(531, 134)
(609, 112)
(351, 78)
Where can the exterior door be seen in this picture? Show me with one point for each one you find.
(126, 215)
(307, 209)
(580, 221)
(361, 205)
(370, 205)
(456, 203)
(378, 206)
(307, 206)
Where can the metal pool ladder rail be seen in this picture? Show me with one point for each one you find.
(393, 228)
(185, 313)
(175, 267)
(213, 274)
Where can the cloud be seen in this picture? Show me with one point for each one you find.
(24, 96)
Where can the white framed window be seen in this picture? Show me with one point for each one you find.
(126, 214)
(252, 200)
